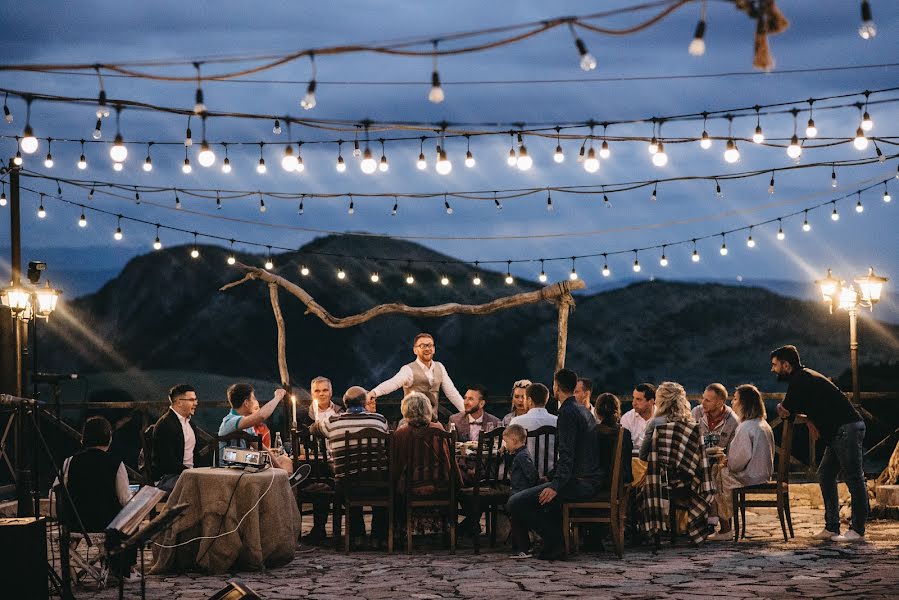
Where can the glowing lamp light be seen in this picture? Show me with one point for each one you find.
(118, 152)
(659, 158)
(29, 142)
(226, 165)
(469, 160)
(524, 161)
(444, 166)
(304, 271)
(828, 286)
(705, 142)
(871, 286)
(848, 298)
(444, 280)
(558, 155)
(591, 163)
(231, 260)
(860, 142)
(375, 278)
(368, 165)
(604, 151)
(206, 157)
(421, 164)
(758, 137)
(341, 274)
(731, 154)
(794, 150)
(289, 161)
(117, 166)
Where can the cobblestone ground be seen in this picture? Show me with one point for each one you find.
(761, 567)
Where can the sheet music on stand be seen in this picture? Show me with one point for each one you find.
(140, 505)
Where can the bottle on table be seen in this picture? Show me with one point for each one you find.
(278, 446)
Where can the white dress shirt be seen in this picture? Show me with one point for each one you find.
(190, 441)
(636, 425)
(404, 377)
(318, 415)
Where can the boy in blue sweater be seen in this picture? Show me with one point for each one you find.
(522, 475)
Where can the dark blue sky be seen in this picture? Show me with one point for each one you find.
(821, 34)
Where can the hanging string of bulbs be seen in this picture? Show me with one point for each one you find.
(496, 197)
(664, 260)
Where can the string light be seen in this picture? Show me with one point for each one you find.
(396, 206)
(368, 164)
(194, 252)
(177, 202)
(886, 193)
(199, 105)
(304, 270)
(780, 231)
(28, 143)
(867, 29)
(300, 210)
(867, 121)
(573, 275)
(119, 152)
(352, 207)
(148, 162)
(97, 133)
(444, 280)
(660, 159)
(834, 216)
(48, 161)
(261, 168)
(3, 195)
(880, 155)
(663, 261)
(759, 136)
(446, 205)
(288, 161)
(749, 241)
(41, 212)
(443, 166)
(476, 280)
(833, 176)
(859, 208)
(636, 267)
(580, 155)
(188, 135)
(605, 266)
(697, 45)
(277, 127)
(496, 202)
(654, 195)
(558, 155)
(549, 201)
(723, 249)
(82, 220)
(509, 279)
(218, 201)
(231, 259)
(356, 151)
(860, 142)
(588, 62)
(604, 150)
(300, 166)
(383, 166)
(806, 226)
(542, 276)
(409, 278)
(469, 157)
(591, 163)
(269, 264)
(705, 142)
(375, 278)
(731, 154)
(308, 101)
(811, 130)
(771, 184)
(421, 164)
(341, 164)
(695, 256)
(118, 235)
(226, 163)
(718, 193)
(524, 161)
(17, 159)
(7, 115)
(436, 94)
(261, 203)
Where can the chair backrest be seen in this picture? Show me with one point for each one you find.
(429, 462)
(612, 439)
(145, 461)
(365, 458)
(313, 451)
(488, 458)
(543, 448)
(782, 474)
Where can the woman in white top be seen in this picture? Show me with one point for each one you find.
(750, 457)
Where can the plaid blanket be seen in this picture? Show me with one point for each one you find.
(677, 461)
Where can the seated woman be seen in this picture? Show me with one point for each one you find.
(607, 411)
(671, 406)
(416, 409)
(750, 457)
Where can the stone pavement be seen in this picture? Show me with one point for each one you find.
(761, 567)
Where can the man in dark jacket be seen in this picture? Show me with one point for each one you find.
(577, 476)
(176, 441)
(840, 427)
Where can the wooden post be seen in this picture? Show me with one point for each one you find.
(282, 352)
(565, 302)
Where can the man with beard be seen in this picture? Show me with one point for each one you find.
(474, 419)
(842, 429)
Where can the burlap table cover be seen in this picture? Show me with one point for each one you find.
(266, 538)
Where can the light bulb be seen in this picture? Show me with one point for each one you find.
(859, 207)
(261, 168)
(860, 142)
(781, 235)
(723, 250)
(794, 150)
(469, 159)
(341, 165)
(117, 166)
(444, 280)
(410, 279)
(3, 199)
(591, 163)
(695, 256)
(206, 158)
(226, 165)
(352, 209)
(288, 161)
(512, 159)
(588, 62)
(697, 45)
(148, 165)
(300, 166)
(185, 168)
(375, 278)
(663, 261)
(82, 222)
(231, 260)
(269, 265)
(834, 216)
(810, 130)
(48, 162)
(308, 101)
(758, 137)
(660, 159)
(637, 267)
(604, 151)
(7, 116)
(705, 142)
(606, 271)
(383, 165)
(476, 280)
(368, 165)
(98, 130)
(304, 270)
(867, 123)
(118, 152)
(436, 94)
(194, 253)
(867, 29)
(29, 142)
(806, 226)
(750, 242)
(17, 160)
(573, 275)
(188, 138)
(341, 274)
(276, 129)
(509, 279)
(444, 166)
(833, 179)
(653, 146)
(731, 154)
(542, 277)
(559, 156)
(157, 244)
(41, 213)
(421, 164)
(524, 161)
(118, 234)
(886, 196)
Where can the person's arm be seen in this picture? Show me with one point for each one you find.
(529, 471)
(402, 378)
(121, 485)
(264, 412)
(449, 388)
(564, 467)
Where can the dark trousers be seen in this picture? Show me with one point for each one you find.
(378, 523)
(844, 453)
(546, 520)
(521, 540)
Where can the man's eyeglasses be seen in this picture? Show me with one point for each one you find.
(425, 346)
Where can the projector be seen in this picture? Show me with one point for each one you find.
(243, 457)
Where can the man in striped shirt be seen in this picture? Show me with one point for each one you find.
(334, 430)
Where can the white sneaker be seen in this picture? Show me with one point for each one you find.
(521, 555)
(825, 534)
(721, 536)
(850, 536)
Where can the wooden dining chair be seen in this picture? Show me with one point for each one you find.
(363, 477)
(490, 486)
(430, 480)
(319, 487)
(544, 451)
(608, 506)
(774, 493)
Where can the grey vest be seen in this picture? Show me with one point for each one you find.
(420, 384)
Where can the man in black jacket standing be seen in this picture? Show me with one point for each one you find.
(842, 429)
(578, 474)
(176, 442)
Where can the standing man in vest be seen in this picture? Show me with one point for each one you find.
(424, 375)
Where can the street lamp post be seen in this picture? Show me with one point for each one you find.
(863, 292)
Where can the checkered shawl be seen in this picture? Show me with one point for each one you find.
(677, 449)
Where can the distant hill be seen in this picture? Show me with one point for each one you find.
(164, 312)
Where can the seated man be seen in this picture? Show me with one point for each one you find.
(322, 407)
(474, 419)
(536, 417)
(245, 414)
(635, 420)
(717, 422)
(334, 429)
(175, 436)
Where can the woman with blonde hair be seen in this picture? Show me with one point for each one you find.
(671, 406)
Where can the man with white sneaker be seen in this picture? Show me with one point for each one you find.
(839, 424)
